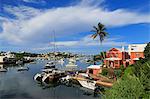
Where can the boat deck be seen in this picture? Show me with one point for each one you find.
(98, 82)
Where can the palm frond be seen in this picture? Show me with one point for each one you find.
(95, 28)
(94, 36)
(93, 31)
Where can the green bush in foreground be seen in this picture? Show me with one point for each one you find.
(130, 88)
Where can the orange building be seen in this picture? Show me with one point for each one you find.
(116, 57)
(136, 51)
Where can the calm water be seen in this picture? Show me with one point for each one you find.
(20, 85)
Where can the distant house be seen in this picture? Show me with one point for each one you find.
(116, 57)
(7, 58)
(3, 59)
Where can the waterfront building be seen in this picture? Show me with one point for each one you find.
(94, 69)
(8, 58)
(116, 57)
(136, 51)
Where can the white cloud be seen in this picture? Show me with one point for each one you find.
(35, 1)
(88, 41)
(34, 26)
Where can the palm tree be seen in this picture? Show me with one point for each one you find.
(100, 31)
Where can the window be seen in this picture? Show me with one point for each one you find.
(137, 55)
(116, 55)
(116, 62)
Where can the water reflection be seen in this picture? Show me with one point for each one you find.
(20, 85)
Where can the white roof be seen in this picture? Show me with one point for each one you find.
(94, 67)
(136, 47)
(135, 58)
(84, 74)
(113, 58)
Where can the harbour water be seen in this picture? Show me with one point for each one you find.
(20, 85)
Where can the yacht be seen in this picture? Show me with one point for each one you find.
(49, 75)
(61, 61)
(50, 64)
(39, 76)
(53, 76)
(71, 63)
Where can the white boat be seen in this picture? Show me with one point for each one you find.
(50, 64)
(2, 69)
(87, 82)
(53, 76)
(39, 76)
(49, 75)
(19, 62)
(71, 64)
(61, 61)
(23, 68)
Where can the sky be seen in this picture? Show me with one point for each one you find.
(36, 25)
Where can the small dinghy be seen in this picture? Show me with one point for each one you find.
(23, 69)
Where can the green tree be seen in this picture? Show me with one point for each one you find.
(147, 51)
(130, 88)
(99, 31)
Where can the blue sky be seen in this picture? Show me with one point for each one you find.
(29, 25)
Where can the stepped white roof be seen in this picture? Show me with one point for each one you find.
(113, 58)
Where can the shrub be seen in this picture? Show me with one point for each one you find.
(130, 88)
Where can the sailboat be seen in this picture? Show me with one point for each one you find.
(50, 73)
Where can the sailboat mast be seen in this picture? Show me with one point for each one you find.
(54, 46)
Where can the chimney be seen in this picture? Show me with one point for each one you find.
(123, 49)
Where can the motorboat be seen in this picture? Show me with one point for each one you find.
(39, 76)
(87, 82)
(23, 68)
(53, 76)
(50, 64)
(71, 64)
(49, 75)
(61, 61)
(19, 62)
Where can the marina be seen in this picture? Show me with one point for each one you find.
(74, 49)
(23, 85)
